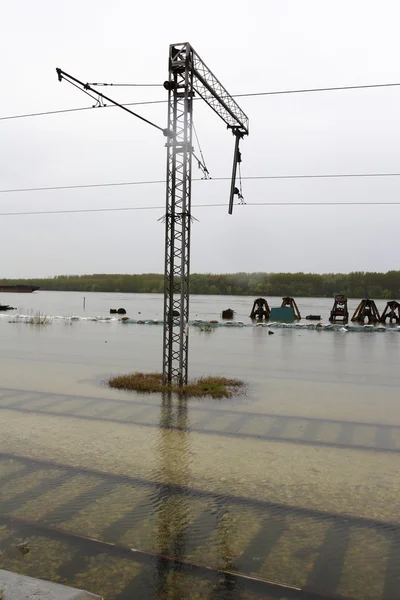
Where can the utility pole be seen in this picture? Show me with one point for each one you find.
(189, 78)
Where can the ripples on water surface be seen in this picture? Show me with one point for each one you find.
(296, 482)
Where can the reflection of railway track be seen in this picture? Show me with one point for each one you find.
(222, 535)
(149, 562)
(228, 423)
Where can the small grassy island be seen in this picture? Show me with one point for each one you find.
(216, 387)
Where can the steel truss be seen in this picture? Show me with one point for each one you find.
(188, 75)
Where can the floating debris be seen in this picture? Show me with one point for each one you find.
(23, 547)
(205, 324)
(201, 324)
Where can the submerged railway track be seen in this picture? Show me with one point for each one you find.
(43, 500)
(123, 535)
(292, 429)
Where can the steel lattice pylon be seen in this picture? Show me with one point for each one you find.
(188, 75)
(178, 217)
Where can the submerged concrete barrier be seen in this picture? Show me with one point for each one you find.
(21, 587)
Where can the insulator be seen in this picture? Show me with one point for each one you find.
(168, 133)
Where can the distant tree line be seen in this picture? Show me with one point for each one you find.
(354, 285)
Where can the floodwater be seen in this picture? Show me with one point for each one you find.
(294, 483)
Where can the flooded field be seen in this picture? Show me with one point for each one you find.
(287, 491)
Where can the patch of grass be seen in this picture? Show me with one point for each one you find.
(39, 319)
(216, 387)
(32, 319)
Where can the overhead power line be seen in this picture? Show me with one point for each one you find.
(47, 112)
(129, 84)
(320, 89)
(247, 95)
(89, 185)
(141, 208)
(159, 181)
(99, 100)
(296, 91)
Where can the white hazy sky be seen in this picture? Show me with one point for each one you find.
(253, 46)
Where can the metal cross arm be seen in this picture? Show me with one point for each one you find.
(86, 87)
(210, 89)
(213, 92)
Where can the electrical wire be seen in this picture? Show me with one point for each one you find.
(240, 194)
(158, 181)
(322, 89)
(295, 91)
(62, 75)
(86, 92)
(47, 112)
(247, 95)
(68, 110)
(202, 165)
(90, 185)
(129, 84)
(134, 208)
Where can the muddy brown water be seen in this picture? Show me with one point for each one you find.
(295, 483)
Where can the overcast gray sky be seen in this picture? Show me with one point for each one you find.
(256, 46)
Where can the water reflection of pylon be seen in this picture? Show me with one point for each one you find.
(174, 511)
(172, 506)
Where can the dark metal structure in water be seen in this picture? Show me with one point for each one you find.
(288, 302)
(260, 310)
(339, 312)
(391, 312)
(366, 310)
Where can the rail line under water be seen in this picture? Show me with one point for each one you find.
(378, 437)
(142, 511)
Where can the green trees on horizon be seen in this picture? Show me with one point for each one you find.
(358, 284)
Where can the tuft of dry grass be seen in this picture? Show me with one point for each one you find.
(216, 387)
(39, 319)
(31, 319)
